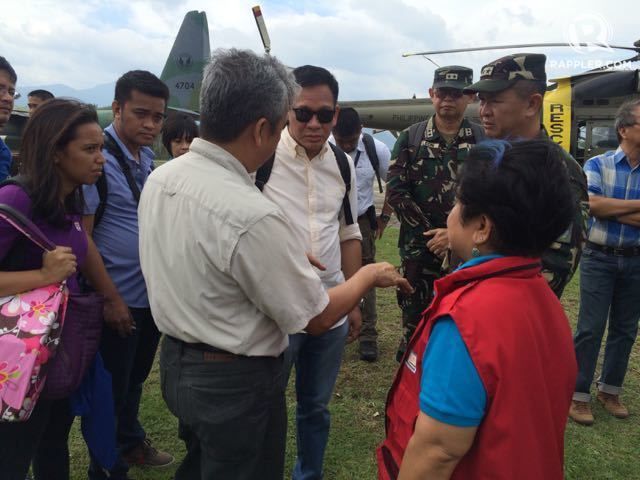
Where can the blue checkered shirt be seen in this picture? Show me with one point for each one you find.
(610, 175)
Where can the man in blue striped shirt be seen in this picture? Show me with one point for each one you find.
(610, 269)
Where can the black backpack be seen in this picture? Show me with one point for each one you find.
(264, 172)
(370, 148)
(114, 149)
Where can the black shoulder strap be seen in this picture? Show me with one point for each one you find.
(370, 148)
(416, 133)
(114, 149)
(264, 172)
(15, 257)
(345, 171)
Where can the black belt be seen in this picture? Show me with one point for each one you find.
(615, 251)
(210, 352)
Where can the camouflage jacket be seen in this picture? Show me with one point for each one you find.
(560, 261)
(422, 187)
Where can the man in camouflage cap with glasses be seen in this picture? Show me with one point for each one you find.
(511, 92)
(421, 187)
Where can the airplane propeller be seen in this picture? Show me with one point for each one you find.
(262, 28)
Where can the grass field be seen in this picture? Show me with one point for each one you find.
(608, 450)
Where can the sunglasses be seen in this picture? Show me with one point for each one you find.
(448, 92)
(304, 115)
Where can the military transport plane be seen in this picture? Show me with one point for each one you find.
(182, 73)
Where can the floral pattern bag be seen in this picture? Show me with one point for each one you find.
(30, 328)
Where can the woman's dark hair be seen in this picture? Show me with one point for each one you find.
(49, 130)
(176, 126)
(523, 187)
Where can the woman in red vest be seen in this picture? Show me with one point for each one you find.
(485, 385)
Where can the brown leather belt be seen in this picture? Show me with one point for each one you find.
(615, 251)
(209, 352)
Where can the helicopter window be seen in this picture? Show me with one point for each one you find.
(602, 101)
(604, 137)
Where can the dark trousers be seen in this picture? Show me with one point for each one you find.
(609, 293)
(231, 412)
(43, 440)
(129, 360)
(368, 333)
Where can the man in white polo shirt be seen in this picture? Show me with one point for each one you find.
(308, 180)
(228, 280)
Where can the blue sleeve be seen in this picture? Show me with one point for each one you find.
(594, 177)
(5, 161)
(91, 199)
(450, 389)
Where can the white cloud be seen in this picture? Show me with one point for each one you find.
(83, 43)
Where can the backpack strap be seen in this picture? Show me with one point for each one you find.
(416, 134)
(111, 146)
(370, 148)
(345, 171)
(15, 257)
(264, 172)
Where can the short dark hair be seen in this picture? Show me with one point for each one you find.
(43, 95)
(524, 88)
(312, 76)
(523, 187)
(51, 127)
(6, 66)
(625, 116)
(142, 81)
(348, 123)
(176, 126)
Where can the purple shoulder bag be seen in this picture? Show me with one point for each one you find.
(81, 325)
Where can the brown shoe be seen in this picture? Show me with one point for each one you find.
(580, 412)
(612, 404)
(147, 455)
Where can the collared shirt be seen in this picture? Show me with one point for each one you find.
(365, 174)
(610, 175)
(310, 192)
(5, 161)
(116, 236)
(221, 261)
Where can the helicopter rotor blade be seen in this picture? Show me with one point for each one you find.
(262, 28)
(635, 58)
(524, 45)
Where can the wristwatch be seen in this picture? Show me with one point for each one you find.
(384, 217)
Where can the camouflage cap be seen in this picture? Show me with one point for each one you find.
(453, 76)
(504, 72)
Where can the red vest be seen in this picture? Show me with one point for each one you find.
(519, 339)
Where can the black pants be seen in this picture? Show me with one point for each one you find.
(42, 439)
(129, 361)
(231, 412)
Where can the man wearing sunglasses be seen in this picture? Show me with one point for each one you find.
(307, 183)
(8, 79)
(420, 182)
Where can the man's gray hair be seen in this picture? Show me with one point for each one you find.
(238, 88)
(625, 116)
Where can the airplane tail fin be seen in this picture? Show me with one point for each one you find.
(190, 53)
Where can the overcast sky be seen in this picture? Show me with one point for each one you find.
(82, 43)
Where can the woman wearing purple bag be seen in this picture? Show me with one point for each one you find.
(61, 150)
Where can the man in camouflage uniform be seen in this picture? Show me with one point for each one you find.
(511, 91)
(421, 187)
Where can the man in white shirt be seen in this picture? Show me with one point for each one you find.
(371, 160)
(228, 280)
(307, 183)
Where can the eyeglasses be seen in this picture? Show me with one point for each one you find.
(7, 90)
(448, 92)
(304, 115)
